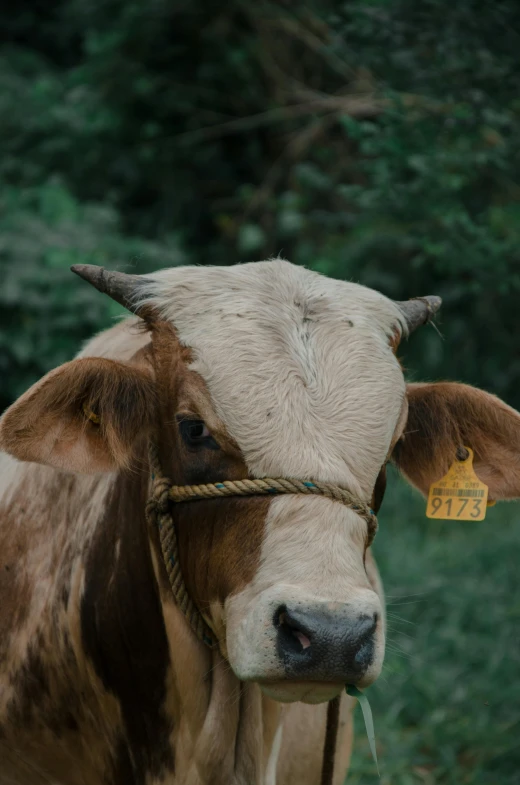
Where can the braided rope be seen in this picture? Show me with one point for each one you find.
(269, 486)
(158, 513)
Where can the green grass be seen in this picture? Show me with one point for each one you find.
(447, 705)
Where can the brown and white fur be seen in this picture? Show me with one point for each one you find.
(294, 375)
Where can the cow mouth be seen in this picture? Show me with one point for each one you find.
(289, 691)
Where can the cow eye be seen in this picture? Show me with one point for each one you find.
(195, 433)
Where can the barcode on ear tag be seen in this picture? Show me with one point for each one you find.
(459, 495)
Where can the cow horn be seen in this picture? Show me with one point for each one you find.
(121, 287)
(419, 310)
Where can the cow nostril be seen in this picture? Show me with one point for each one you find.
(293, 636)
(279, 616)
(305, 642)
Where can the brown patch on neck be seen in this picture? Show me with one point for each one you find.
(84, 667)
(124, 634)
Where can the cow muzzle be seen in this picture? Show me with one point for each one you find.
(306, 649)
(321, 645)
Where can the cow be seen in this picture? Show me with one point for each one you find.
(260, 370)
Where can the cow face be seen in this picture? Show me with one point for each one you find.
(288, 374)
(256, 370)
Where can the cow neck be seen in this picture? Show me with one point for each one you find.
(188, 709)
(229, 742)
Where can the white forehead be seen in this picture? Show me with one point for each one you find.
(298, 366)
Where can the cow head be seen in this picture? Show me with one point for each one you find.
(259, 370)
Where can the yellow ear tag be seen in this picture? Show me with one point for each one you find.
(459, 495)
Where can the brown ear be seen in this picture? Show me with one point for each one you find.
(445, 416)
(85, 416)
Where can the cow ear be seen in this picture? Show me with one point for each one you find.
(445, 416)
(85, 416)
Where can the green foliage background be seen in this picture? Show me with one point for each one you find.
(372, 140)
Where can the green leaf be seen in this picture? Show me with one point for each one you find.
(353, 691)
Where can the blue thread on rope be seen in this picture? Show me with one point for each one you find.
(309, 484)
(219, 485)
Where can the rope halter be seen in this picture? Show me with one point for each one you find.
(164, 493)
